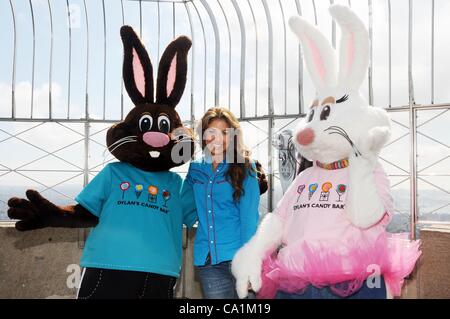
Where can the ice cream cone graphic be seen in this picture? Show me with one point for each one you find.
(138, 190)
(312, 189)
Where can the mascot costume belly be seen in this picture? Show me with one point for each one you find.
(138, 207)
(328, 232)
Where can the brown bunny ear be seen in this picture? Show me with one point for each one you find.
(137, 68)
(172, 72)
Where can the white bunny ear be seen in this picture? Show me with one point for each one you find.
(354, 47)
(320, 57)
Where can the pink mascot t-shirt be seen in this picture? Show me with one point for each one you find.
(321, 246)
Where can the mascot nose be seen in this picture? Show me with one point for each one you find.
(305, 137)
(156, 139)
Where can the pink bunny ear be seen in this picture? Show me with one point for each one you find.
(319, 56)
(354, 47)
(138, 72)
(171, 76)
(172, 72)
(137, 68)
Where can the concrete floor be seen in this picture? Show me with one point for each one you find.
(35, 265)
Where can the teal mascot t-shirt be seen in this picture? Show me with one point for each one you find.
(140, 216)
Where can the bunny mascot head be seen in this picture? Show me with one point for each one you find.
(340, 122)
(329, 229)
(152, 136)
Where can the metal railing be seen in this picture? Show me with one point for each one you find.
(242, 48)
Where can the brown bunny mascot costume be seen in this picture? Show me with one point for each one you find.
(138, 207)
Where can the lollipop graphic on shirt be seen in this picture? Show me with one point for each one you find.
(166, 196)
(300, 190)
(124, 187)
(312, 189)
(325, 195)
(138, 190)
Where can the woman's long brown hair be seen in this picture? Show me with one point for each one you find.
(241, 165)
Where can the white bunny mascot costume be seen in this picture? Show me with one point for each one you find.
(329, 229)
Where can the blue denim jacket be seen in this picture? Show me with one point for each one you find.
(224, 225)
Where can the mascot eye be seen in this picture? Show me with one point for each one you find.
(145, 123)
(342, 99)
(311, 116)
(164, 124)
(325, 113)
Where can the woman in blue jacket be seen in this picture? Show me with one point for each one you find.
(227, 192)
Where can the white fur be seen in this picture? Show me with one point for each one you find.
(246, 265)
(313, 40)
(353, 31)
(364, 206)
(367, 127)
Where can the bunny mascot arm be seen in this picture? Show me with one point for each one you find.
(138, 206)
(330, 226)
(247, 262)
(37, 212)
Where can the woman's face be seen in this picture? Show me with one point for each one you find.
(217, 137)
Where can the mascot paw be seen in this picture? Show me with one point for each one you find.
(255, 281)
(32, 213)
(246, 268)
(242, 288)
(252, 282)
(380, 135)
(370, 143)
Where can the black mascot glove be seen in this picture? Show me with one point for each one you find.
(262, 179)
(37, 212)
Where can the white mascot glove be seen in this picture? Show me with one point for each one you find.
(364, 207)
(247, 263)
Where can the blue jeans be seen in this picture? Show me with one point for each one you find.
(325, 293)
(217, 281)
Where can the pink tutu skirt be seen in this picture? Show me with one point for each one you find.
(392, 256)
